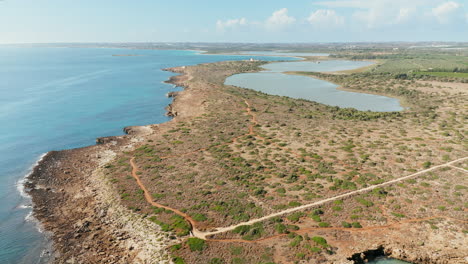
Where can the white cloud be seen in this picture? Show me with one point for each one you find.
(231, 23)
(404, 15)
(279, 20)
(447, 12)
(378, 13)
(324, 18)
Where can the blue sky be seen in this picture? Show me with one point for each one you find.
(40, 21)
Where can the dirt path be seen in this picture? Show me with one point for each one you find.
(204, 235)
(321, 202)
(150, 200)
(363, 229)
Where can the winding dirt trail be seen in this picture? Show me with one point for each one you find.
(204, 234)
(150, 200)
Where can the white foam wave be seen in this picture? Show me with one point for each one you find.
(20, 183)
(31, 219)
(28, 201)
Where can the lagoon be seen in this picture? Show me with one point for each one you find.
(275, 82)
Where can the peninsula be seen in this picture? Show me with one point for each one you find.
(240, 176)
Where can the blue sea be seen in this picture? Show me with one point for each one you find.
(61, 98)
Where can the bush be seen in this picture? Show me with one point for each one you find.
(294, 204)
(296, 241)
(324, 224)
(316, 218)
(176, 247)
(346, 224)
(242, 230)
(281, 229)
(178, 260)
(196, 244)
(199, 217)
(295, 216)
(320, 241)
(427, 164)
(216, 261)
(365, 202)
(337, 208)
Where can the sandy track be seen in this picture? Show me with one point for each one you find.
(321, 202)
(204, 234)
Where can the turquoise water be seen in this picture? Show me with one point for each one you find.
(273, 81)
(387, 261)
(59, 98)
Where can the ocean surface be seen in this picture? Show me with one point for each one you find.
(60, 98)
(274, 81)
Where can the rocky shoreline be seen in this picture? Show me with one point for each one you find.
(81, 212)
(76, 205)
(75, 202)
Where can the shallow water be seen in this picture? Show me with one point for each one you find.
(387, 261)
(273, 81)
(60, 98)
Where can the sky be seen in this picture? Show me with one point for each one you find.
(50, 21)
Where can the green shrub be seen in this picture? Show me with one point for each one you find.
(196, 244)
(294, 204)
(216, 261)
(427, 164)
(346, 224)
(281, 229)
(337, 208)
(292, 227)
(320, 241)
(176, 247)
(242, 230)
(365, 202)
(296, 241)
(178, 260)
(295, 216)
(316, 218)
(324, 224)
(398, 215)
(199, 217)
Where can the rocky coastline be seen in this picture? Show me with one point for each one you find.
(80, 211)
